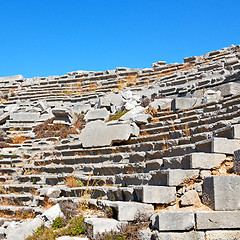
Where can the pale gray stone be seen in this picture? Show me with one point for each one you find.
(224, 145)
(144, 235)
(20, 230)
(229, 89)
(127, 95)
(24, 116)
(51, 214)
(222, 192)
(101, 225)
(211, 95)
(223, 235)
(156, 194)
(161, 104)
(193, 235)
(97, 114)
(97, 133)
(81, 108)
(200, 160)
(184, 103)
(141, 118)
(71, 238)
(217, 220)
(169, 220)
(132, 113)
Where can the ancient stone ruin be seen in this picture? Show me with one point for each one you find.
(159, 145)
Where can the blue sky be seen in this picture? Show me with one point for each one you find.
(53, 37)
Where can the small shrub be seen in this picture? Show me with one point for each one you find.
(58, 223)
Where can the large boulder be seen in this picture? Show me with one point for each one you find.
(97, 114)
(98, 134)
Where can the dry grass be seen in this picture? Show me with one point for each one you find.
(17, 136)
(72, 182)
(226, 168)
(152, 111)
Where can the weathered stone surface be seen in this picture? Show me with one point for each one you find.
(20, 230)
(217, 220)
(129, 115)
(80, 108)
(63, 115)
(71, 238)
(101, 225)
(224, 145)
(97, 133)
(168, 220)
(236, 162)
(179, 235)
(222, 192)
(190, 198)
(184, 103)
(223, 235)
(130, 211)
(141, 118)
(211, 95)
(161, 103)
(156, 194)
(50, 192)
(97, 114)
(24, 116)
(229, 89)
(51, 214)
(200, 160)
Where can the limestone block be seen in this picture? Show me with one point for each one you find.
(24, 116)
(169, 220)
(193, 235)
(224, 145)
(51, 192)
(141, 118)
(51, 214)
(129, 115)
(109, 99)
(217, 220)
(200, 160)
(229, 89)
(222, 192)
(97, 114)
(130, 211)
(97, 133)
(63, 115)
(161, 104)
(20, 230)
(79, 108)
(144, 235)
(127, 95)
(184, 103)
(190, 198)
(211, 95)
(236, 162)
(101, 225)
(223, 235)
(156, 194)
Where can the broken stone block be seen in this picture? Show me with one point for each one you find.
(81, 108)
(20, 230)
(211, 95)
(127, 95)
(130, 211)
(190, 198)
(156, 194)
(51, 214)
(202, 160)
(129, 115)
(51, 192)
(169, 220)
(161, 104)
(217, 220)
(185, 103)
(236, 162)
(144, 235)
(222, 192)
(101, 225)
(63, 115)
(97, 114)
(97, 133)
(141, 118)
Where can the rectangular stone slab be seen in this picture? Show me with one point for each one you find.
(217, 220)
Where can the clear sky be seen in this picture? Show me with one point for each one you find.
(53, 37)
